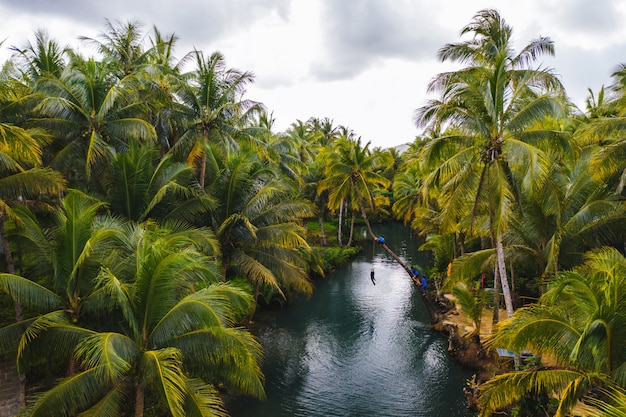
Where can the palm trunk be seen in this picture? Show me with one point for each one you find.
(202, 173)
(340, 222)
(506, 292)
(454, 250)
(399, 261)
(351, 231)
(9, 260)
(139, 400)
(462, 243)
(321, 220)
(496, 297)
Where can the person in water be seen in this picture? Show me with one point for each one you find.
(372, 276)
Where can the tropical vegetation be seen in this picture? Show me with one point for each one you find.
(148, 209)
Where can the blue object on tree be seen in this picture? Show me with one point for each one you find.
(381, 240)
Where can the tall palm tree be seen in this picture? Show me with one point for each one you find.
(122, 46)
(214, 108)
(579, 323)
(493, 102)
(353, 176)
(177, 339)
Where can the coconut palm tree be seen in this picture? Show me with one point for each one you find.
(122, 46)
(139, 186)
(283, 149)
(43, 58)
(353, 176)
(325, 131)
(573, 212)
(22, 179)
(66, 263)
(214, 108)
(257, 222)
(493, 103)
(579, 323)
(88, 111)
(177, 339)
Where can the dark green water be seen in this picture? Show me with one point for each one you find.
(358, 349)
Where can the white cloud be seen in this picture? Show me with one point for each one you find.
(363, 63)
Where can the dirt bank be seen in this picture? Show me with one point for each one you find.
(465, 346)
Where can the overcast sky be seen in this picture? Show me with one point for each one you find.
(365, 64)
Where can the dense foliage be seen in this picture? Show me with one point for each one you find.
(147, 207)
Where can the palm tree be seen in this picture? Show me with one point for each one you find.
(312, 179)
(21, 176)
(284, 149)
(325, 131)
(257, 221)
(140, 186)
(214, 107)
(493, 102)
(579, 323)
(352, 176)
(44, 58)
(67, 260)
(177, 340)
(88, 110)
(573, 212)
(121, 45)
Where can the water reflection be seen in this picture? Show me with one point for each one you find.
(358, 349)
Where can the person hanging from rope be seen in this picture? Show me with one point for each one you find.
(372, 276)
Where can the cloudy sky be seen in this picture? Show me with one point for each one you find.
(365, 64)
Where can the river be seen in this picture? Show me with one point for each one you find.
(356, 348)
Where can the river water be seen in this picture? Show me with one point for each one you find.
(358, 349)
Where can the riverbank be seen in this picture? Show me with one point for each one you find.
(462, 344)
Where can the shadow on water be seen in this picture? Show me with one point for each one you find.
(358, 349)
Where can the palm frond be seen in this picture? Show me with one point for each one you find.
(70, 396)
(162, 370)
(509, 388)
(113, 355)
(29, 293)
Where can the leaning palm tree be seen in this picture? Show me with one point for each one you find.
(177, 341)
(494, 102)
(580, 323)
